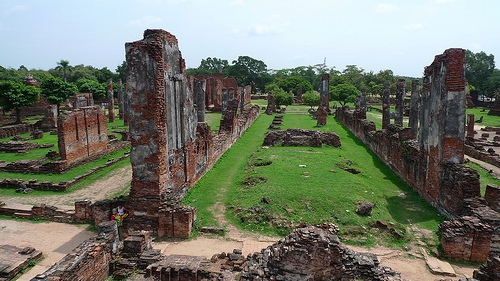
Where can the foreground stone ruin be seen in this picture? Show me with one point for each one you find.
(308, 253)
(432, 162)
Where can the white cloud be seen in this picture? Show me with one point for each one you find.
(263, 29)
(17, 9)
(146, 21)
(414, 26)
(386, 8)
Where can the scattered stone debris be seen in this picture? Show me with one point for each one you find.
(349, 169)
(365, 208)
(300, 137)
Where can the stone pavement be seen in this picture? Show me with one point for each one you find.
(14, 260)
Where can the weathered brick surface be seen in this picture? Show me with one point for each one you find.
(312, 253)
(87, 262)
(489, 271)
(82, 132)
(299, 137)
(271, 105)
(82, 100)
(171, 150)
(433, 163)
(466, 238)
(13, 130)
(386, 106)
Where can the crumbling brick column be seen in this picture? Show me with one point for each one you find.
(199, 94)
(271, 105)
(470, 127)
(363, 99)
(324, 98)
(400, 96)
(299, 95)
(162, 126)
(414, 106)
(111, 100)
(324, 95)
(386, 106)
(121, 102)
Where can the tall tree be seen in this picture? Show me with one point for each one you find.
(14, 95)
(65, 67)
(311, 98)
(97, 89)
(122, 71)
(57, 91)
(281, 97)
(250, 71)
(343, 93)
(478, 68)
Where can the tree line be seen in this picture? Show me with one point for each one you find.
(64, 80)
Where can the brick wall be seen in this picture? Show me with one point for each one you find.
(82, 132)
(171, 150)
(432, 163)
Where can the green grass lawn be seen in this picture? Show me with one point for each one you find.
(326, 194)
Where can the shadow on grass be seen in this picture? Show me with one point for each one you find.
(407, 207)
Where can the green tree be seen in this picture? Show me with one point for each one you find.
(209, 66)
(97, 89)
(121, 71)
(343, 93)
(293, 82)
(57, 91)
(354, 76)
(249, 71)
(281, 97)
(14, 95)
(65, 67)
(478, 68)
(311, 98)
(492, 84)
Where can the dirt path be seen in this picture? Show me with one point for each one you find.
(106, 188)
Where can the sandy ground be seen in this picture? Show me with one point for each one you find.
(56, 240)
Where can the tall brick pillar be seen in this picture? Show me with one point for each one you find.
(119, 87)
(470, 127)
(386, 106)
(162, 123)
(324, 95)
(414, 106)
(199, 86)
(111, 100)
(400, 96)
(324, 98)
(442, 134)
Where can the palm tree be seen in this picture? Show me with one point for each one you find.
(64, 65)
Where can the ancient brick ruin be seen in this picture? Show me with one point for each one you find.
(432, 161)
(308, 253)
(299, 137)
(324, 106)
(82, 132)
(171, 149)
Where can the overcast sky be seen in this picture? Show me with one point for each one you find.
(403, 36)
